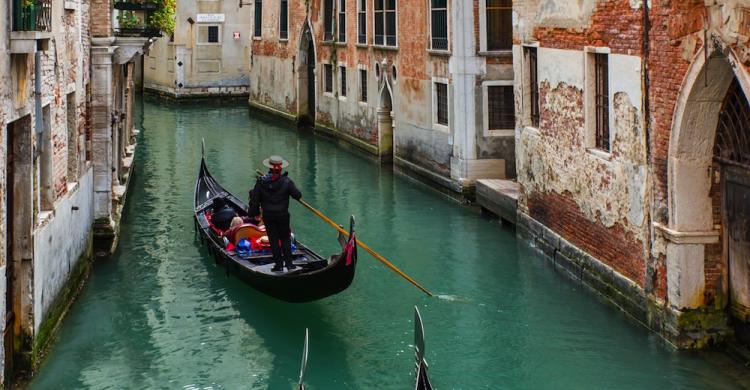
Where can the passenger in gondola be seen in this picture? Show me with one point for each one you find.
(271, 196)
(222, 214)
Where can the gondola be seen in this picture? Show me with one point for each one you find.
(314, 278)
(423, 381)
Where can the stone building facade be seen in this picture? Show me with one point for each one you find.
(416, 83)
(632, 142)
(207, 56)
(50, 166)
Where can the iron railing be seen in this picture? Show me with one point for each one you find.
(32, 15)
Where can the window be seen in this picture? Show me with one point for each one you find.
(284, 20)
(500, 108)
(258, 18)
(439, 24)
(533, 86)
(363, 85)
(385, 22)
(499, 24)
(328, 13)
(601, 100)
(362, 21)
(342, 73)
(208, 34)
(441, 101)
(328, 78)
(213, 34)
(342, 21)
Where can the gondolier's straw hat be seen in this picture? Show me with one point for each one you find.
(270, 162)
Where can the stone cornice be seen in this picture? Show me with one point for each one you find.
(678, 237)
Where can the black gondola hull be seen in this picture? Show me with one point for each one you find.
(303, 285)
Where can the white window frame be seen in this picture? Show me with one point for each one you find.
(589, 103)
(339, 12)
(361, 67)
(325, 80)
(287, 21)
(207, 25)
(429, 25)
(257, 37)
(526, 85)
(435, 125)
(359, 11)
(483, 31)
(341, 78)
(487, 132)
(385, 43)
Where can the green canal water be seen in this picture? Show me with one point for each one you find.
(160, 314)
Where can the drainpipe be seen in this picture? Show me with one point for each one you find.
(39, 124)
(651, 271)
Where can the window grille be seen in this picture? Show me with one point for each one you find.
(362, 85)
(362, 21)
(500, 107)
(342, 91)
(533, 86)
(441, 90)
(284, 20)
(258, 18)
(385, 22)
(213, 34)
(328, 79)
(601, 78)
(499, 16)
(439, 24)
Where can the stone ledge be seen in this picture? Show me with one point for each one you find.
(677, 237)
(499, 197)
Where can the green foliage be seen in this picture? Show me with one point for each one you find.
(164, 17)
(128, 19)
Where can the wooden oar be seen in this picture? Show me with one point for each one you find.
(362, 245)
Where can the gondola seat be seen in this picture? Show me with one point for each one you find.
(247, 230)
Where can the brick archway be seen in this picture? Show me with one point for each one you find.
(690, 161)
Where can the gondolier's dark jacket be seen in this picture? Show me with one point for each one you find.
(272, 196)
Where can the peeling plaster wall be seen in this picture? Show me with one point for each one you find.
(556, 158)
(65, 70)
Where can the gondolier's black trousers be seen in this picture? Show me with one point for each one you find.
(278, 230)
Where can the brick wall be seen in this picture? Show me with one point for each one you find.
(101, 18)
(615, 246)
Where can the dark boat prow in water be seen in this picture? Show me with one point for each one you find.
(303, 366)
(314, 278)
(423, 381)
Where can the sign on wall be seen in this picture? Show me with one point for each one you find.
(210, 18)
(236, 35)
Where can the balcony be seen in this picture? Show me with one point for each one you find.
(32, 15)
(32, 26)
(136, 5)
(138, 31)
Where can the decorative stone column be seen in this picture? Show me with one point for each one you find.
(101, 129)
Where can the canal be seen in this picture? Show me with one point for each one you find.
(161, 314)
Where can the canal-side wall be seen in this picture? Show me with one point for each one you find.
(693, 329)
(646, 195)
(193, 64)
(383, 98)
(62, 255)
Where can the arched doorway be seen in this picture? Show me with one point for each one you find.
(732, 153)
(306, 79)
(385, 126)
(708, 248)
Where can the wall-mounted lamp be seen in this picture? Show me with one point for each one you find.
(190, 20)
(243, 3)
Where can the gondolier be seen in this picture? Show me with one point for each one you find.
(270, 196)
